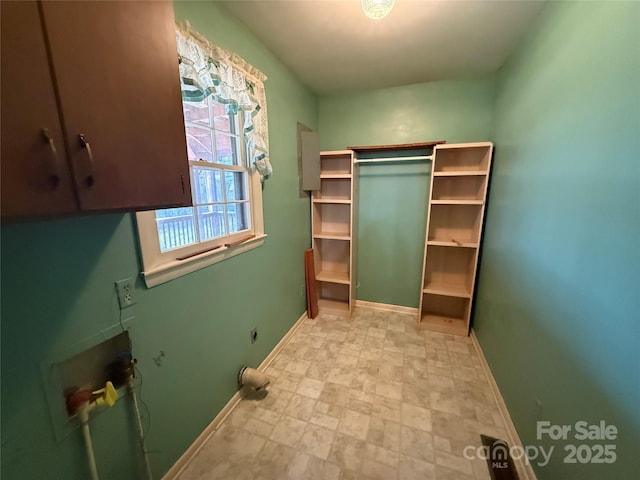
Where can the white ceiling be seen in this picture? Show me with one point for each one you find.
(333, 47)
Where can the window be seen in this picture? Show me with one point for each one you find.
(224, 106)
(227, 200)
(219, 180)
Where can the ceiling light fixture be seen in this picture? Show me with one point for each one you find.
(377, 9)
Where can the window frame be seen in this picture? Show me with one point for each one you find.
(160, 267)
(222, 168)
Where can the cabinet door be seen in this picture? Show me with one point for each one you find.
(116, 68)
(35, 173)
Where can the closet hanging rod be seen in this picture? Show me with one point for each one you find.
(393, 159)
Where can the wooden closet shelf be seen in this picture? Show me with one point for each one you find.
(335, 175)
(444, 324)
(444, 243)
(447, 290)
(332, 236)
(331, 200)
(333, 277)
(333, 305)
(459, 173)
(457, 202)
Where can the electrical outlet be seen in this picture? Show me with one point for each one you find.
(126, 292)
(302, 289)
(254, 335)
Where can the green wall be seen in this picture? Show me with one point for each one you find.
(455, 111)
(58, 289)
(391, 229)
(559, 292)
(393, 197)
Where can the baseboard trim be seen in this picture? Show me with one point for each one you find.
(386, 307)
(524, 468)
(177, 468)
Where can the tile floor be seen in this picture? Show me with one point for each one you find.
(366, 398)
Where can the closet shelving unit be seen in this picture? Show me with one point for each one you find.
(332, 225)
(458, 191)
(331, 257)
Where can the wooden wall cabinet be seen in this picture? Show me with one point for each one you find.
(91, 108)
(333, 232)
(454, 225)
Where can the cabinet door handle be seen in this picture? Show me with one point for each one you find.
(89, 179)
(54, 166)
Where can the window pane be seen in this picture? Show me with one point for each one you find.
(235, 185)
(207, 184)
(226, 148)
(197, 112)
(176, 227)
(221, 121)
(238, 217)
(211, 222)
(199, 144)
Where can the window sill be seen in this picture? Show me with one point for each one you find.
(177, 268)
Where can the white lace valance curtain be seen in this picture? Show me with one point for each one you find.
(206, 69)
